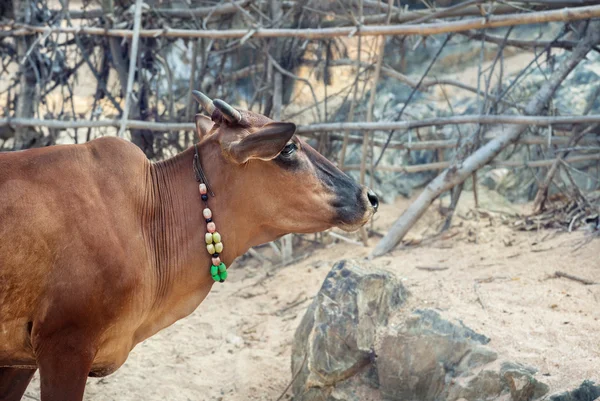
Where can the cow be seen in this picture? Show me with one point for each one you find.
(100, 248)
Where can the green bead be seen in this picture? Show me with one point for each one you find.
(223, 275)
(214, 270)
(208, 237)
(216, 277)
(222, 268)
(216, 237)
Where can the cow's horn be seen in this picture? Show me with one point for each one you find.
(231, 114)
(204, 101)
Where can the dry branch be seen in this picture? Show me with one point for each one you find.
(574, 278)
(508, 163)
(567, 14)
(457, 174)
(536, 120)
(198, 12)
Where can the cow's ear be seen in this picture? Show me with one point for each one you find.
(264, 144)
(203, 126)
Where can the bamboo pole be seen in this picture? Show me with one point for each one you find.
(564, 15)
(535, 120)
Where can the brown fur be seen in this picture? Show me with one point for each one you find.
(100, 249)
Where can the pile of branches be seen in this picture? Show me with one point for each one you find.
(567, 212)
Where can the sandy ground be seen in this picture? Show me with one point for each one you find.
(237, 344)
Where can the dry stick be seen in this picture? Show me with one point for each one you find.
(574, 278)
(539, 120)
(370, 107)
(469, 11)
(346, 239)
(137, 22)
(293, 378)
(571, 14)
(523, 44)
(355, 89)
(412, 93)
(446, 164)
(182, 13)
(397, 16)
(445, 12)
(449, 178)
(461, 119)
(431, 268)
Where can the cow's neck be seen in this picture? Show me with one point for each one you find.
(175, 229)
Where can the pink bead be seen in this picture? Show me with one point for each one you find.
(207, 213)
(216, 261)
(211, 227)
(202, 189)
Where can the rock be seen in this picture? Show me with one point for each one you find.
(356, 342)
(337, 333)
(588, 391)
(424, 351)
(523, 386)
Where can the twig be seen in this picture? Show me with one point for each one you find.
(293, 378)
(479, 299)
(412, 93)
(258, 256)
(292, 305)
(574, 278)
(432, 268)
(346, 239)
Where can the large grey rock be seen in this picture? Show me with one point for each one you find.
(357, 342)
(337, 333)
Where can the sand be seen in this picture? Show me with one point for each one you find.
(236, 346)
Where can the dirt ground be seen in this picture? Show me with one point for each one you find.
(236, 346)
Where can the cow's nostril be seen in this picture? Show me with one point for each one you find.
(373, 199)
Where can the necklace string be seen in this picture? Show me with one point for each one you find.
(214, 244)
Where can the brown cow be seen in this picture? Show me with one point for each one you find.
(100, 249)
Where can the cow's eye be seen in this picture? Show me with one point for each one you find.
(289, 150)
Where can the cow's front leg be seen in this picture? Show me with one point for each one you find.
(13, 383)
(64, 360)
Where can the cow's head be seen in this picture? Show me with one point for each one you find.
(286, 184)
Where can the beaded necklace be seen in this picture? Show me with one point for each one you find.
(214, 246)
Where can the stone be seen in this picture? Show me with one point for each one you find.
(336, 337)
(424, 351)
(357, 342)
